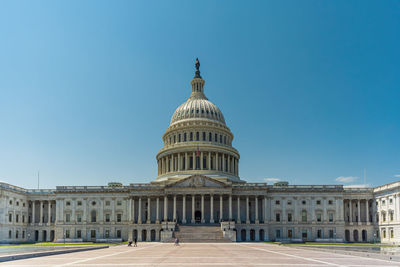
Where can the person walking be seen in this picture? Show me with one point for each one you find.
(135, 244)
(176, 241)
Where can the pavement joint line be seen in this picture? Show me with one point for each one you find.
(294, 256)
(108, 255)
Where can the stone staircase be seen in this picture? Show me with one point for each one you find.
(200, 234)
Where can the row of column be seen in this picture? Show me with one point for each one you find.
(41, 212)
(132, 202)
(367, 212)
(201, 160)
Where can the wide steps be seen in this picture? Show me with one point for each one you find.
(200, 234)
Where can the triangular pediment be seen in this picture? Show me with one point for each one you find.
(196, 181)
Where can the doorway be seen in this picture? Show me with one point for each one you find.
(197, 216)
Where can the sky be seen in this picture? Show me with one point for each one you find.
(310, 89)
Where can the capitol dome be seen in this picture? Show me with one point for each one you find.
(198, 141)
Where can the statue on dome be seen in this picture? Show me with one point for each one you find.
(197, 73)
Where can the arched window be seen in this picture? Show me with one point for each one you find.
(191, 136)
(197, 136)
(209, 137)
(93, 216)
(179, 138)
(184, 137)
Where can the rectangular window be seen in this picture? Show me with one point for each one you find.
(174, 139)
(67, 217)
(107, 203)
(16, 234)
(220, 138)
(10, 217)
(23, 218)
(384, 233)
(191, 137)
(277, 202)
(391, 233)
(107, 234)
(9, 234)
(384, 217)
(179, 138)
(319, 233)
(79, 234)
(204, 136)
(118, 233)
(383, 202)
(92, 233)
(330, 202)
(197, 136)
(107, 217)
(304, 234)
(289, 217)
(330, 217)
(184, 137)
(318, 202)
(23, 234)
(278, 233)
(290, 233)
(67, 234)
(119, 217)
(391, 216)
(16, 218)
(209, 137)
(79, 217)
(278, 217)
(289, 202)
(304, 216)
(319, 217)
(119, 203)
(390, 201)
(331, 233)
(79, 203)
(216, 137)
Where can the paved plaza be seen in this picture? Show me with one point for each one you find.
(202, 254)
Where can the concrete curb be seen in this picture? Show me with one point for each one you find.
(47, 253)
(373, 255)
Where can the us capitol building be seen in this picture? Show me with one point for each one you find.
(198, 195)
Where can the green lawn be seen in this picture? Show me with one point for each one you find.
(50, 244)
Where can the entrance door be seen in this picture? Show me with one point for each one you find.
(197, 216)
(44, 236)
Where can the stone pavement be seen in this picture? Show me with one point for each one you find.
(202, 254)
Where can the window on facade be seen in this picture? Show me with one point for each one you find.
(278, 233)
(303, 202)
(289, 217)
(10, 202)
(197, 136)
(384, 217)
(16, 218)
(18, 203)
(278, 217)
(330, 233)
(191, 137)
(10, 217)
(93, 203)
(319, 216)
(78, 234)
(277, 202)
(304, 216)
(220, 138)
(330, 202)
(16, 234)
(9, 234)
(79, 203)
(107, 217)
(174, 139)
(23, 218)
(384, 233)
(107, 203)
(119, 203)
(119, 217)
(330, 217)
(67, 234)
(179, 138)
(23, 234)
(390, 214)
(209, 137)
(383, 202)
(304, 234)
(92, 233)
(289, 202)
(204, 136)
(79, 217)
(67, 217)
(290, 233)
(93, 216)
(107, 234)
(216, 137)
(118, 233)
(390, 201)
(184, 137)
(391, 233)
(225, 140)
(318, 202)
(319, 233)
(23, 204)
(68, 203)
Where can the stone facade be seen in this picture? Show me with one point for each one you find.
(198, 183)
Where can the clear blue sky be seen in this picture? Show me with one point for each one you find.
(311, 89)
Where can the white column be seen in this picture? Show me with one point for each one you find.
(186, 161)
(49, 214)
(194, 161)
(139, 212)
(256, 200)
(193, 200)
(148, 210)
(230, 207)
(129, 210)
(265, 210)
(216, 161)
(337, 210)
(201, 161)
(158, 210)
(358, 211)
(221, 208)
(325, 210)
(202, 209)
(41, 213)
(367, 211)
(351, 211)
(229, 163)
(174, 215)
(165, 208)
(247, 210)
(179, 162)
(184, 209)
(211, 209)
(33, 212)
(223, 162)
(133, 211)
(238, 210)
(209, 161)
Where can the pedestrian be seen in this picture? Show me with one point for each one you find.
(135, 244)
(130, 243)
(176, 241)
